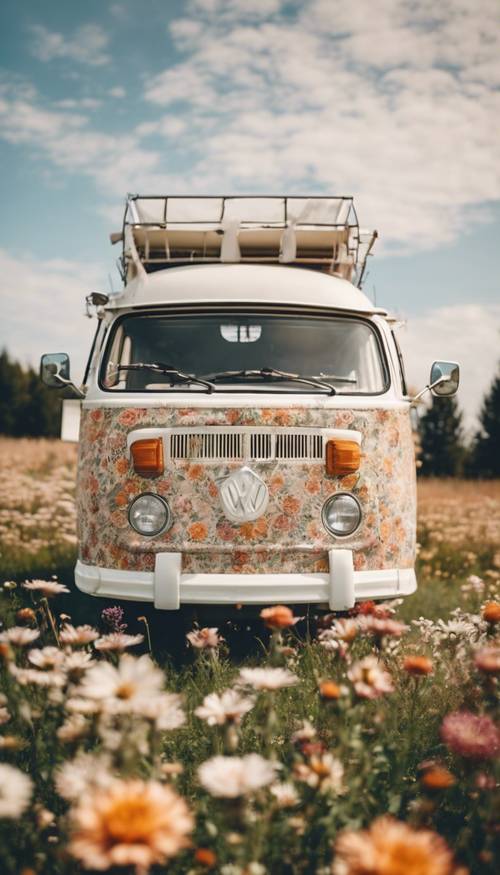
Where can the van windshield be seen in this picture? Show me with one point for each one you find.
(243, 352)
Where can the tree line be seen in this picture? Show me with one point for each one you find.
(444, 451)
(29, 409)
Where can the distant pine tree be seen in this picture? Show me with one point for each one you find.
(441, 438)
(27, 407)
(485, 454)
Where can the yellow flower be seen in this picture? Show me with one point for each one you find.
(130, 823)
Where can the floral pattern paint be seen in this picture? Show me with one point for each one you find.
(289, 537)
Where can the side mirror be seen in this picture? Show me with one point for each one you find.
(54, 370)
(445, 377)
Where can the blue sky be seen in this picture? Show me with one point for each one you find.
(394, 102)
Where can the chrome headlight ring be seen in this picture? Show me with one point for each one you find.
(153, 511)
(341, 514)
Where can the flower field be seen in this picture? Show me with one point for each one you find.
(365, 744)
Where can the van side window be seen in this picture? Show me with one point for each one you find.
(401, 363)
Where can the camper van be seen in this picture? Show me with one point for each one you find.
(244, 423)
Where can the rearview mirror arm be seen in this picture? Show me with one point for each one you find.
(443, 379)
(68, 384)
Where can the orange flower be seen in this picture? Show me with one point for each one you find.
(130, 823)
(26, 616)
(291, 504)
(205, 857)
(390, 847)
(491, 612)
(437, 778)
(313, 486)
(128, 416)
(282, 522)
(277, 481)
(121, 499)
(349, 482)
(197, 531)
(195, 472)
(385, 531)
(278, 617)
(260, 527)
(418, 666)
(487, 660)
(329, 690)
(246, 531)
(122, 465)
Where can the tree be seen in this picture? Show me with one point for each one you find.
(27, 407)
(442, 450)
(485, 455)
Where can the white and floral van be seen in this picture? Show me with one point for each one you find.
(245, 430)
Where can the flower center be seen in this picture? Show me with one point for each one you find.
(126, 690)
(129, 821)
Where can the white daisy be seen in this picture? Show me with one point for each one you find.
(165, 710)
(370, 679)
(48, 588)
(324, 772)
(27, 676)
(131, 686)
(229, 707)
(74, 727)
(205, 638)
(117, 641)
(46, 657)
(230, 777)
(285, 794)
(86, 771)
(15, 791)
(19, 636)
(77, 635)
(267, 678)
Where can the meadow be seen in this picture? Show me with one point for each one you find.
(365, 744)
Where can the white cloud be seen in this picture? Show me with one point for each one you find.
(468, 334)
(118, 92)
(43, 305)
(115, 164)
(87, 45)
(387, 99)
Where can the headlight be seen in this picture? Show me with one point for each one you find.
(149, 514)
(341, 514)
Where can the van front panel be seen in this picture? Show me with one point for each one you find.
(289, 536)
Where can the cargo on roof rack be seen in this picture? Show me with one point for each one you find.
(322, 233)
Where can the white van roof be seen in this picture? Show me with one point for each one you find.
(243, 284)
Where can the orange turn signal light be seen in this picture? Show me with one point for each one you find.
(147, 456)
(342, 457)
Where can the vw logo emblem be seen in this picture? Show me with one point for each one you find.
(244, 495)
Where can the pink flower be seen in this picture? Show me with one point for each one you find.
(471, 735)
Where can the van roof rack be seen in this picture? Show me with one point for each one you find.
(322, 233)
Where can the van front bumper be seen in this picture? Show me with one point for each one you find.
(168, 588)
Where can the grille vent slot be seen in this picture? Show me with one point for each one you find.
(216, 445)
(261, 446)
(299, 446)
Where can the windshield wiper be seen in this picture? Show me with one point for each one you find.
(336, 377)
(273, 374)
(159, 368)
